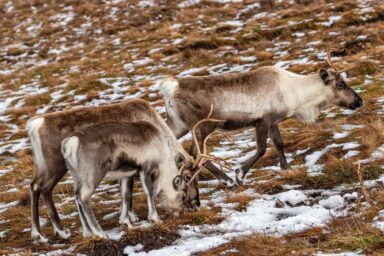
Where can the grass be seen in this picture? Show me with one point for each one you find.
(36, 62)
(373, 136)
(335, 173)
(344, 234)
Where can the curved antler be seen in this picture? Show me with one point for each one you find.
(199, 154)
(329, 60)
(203, 157)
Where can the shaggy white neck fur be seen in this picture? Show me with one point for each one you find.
(304, 95)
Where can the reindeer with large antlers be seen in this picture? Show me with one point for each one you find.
(200, 161)
(260, 99)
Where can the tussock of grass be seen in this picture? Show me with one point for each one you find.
(153, 238)
(335, 173)
(345, 234)
(260, 245)
(241, 200)
(372, 136)
(38, 99)
(23, 168)
(202, 216)
(86, 84)
(270, 187)
(351, 234)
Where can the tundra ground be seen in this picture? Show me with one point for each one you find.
(65, 54)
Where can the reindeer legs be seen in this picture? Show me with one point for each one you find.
(261, 140)
(127, 216)
(147, 184)
(43, 184)
(55, 219)
(35, 231)
(84, 191)
(274, 134)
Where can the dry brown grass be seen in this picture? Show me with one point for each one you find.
(261, 246)
(336, 172)
(206, 43)
(345, 234)
(372, 136)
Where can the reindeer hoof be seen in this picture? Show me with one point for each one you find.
(39, 237)
(126, 221)
(87, 234)
(229, 182)
(65, 233)
(102, 235)
(155, 221)
(239, 177)
(133, 217)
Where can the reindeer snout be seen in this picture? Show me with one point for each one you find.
(357, 104)
(194, 204)
(360, 103)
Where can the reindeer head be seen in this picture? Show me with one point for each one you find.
(190, 195)
(189, 170)
(343, 95)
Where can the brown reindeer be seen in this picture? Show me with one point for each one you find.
(260, 99)
(47, 133)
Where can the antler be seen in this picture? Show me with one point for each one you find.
(203, 157)
(199, 154)
(329, 60)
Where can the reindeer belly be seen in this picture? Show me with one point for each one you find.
(120, 174)
(121, 167)
(237, 124)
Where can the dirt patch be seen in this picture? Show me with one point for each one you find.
(151, 239)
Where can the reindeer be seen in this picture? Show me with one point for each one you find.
(260, 99)
(116, 150)
(47, 133)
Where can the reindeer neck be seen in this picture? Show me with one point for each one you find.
(311, 95)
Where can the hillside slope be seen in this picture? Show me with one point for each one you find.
(65, 54)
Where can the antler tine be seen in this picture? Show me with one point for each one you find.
(207, 119)
(209, 158)
(329, 60)
(195, 175)
(205, 157)
(182, 168)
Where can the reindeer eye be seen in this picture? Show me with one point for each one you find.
(187, 178)
(340, 85)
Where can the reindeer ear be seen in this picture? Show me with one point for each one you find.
(324, 75)
(177, 182)
(179, 159)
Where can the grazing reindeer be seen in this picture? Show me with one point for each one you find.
(47, 133)
(116, 150)
(202, 158)
(260, 99)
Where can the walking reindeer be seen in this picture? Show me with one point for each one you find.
(47, 133)
(260, 99)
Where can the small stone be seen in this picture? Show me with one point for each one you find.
(279, 203)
